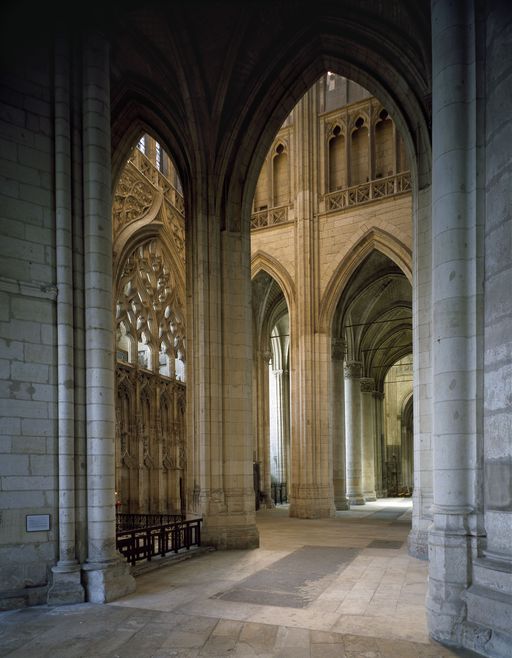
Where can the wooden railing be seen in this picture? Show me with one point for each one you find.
(158, 540)
(366, 192)
(138, 521)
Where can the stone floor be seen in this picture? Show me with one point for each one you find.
(341, 587)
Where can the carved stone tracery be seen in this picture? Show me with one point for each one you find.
(132, 199)
(151, 344)
(149, 307)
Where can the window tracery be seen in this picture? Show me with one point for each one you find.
(133, 199)
(149, 304)
(149, 313)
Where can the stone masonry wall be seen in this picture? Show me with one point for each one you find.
(338, 233)
(28, 428)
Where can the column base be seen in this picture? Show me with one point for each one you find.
(370, 496)
(311, 503)
(229, 532)
(417, 543)
(489, 607)
(341, 504)
(356, 499)
(449, 555)
(107, 581)
(66, 587)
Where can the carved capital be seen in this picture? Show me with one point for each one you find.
(352, 370)
(367, 384)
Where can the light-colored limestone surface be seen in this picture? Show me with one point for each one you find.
(373, 608)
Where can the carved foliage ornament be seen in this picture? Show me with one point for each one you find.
(133, 199)
(177, 228)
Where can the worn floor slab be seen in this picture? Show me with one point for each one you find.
(341, 587)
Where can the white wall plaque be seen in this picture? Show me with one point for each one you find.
(38, 522)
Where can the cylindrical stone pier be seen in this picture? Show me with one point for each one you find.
(337, 412)
(107, 576)
(353, 432)
(378, 399)
(66, 586)
(456, 307)
(368, 438)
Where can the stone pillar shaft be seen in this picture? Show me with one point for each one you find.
(98, 299)
(368, 438)
(66, 586)
(64, 257)
(262, 418)
(280, 467)
(337, 412)
(106, 576)
(219, 386)
(379, 457)
(353, 432)
(311, 494)
(456, 313)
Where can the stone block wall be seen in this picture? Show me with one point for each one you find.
(28, 394)
(338, 234)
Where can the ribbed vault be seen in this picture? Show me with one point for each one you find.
(374, 316)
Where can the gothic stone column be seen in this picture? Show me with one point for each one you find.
(456, 307)
(368, 438)
(281, 447)
(219, 387)
(107, 576)
(66, 580)
(378, 399)
(353, 432)
(337, 411)
(311, 493)
(261, 420)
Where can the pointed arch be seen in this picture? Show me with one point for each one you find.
(374, 239)
(405, 402)
(262, 261)
(137, 111)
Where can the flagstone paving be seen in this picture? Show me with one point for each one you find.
(342, 587)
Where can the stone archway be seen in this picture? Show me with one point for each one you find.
(271, 388)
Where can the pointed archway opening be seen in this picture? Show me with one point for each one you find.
(373, 322)
(271, 391)
(150, 335)
(398, 454)
(335, 172)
